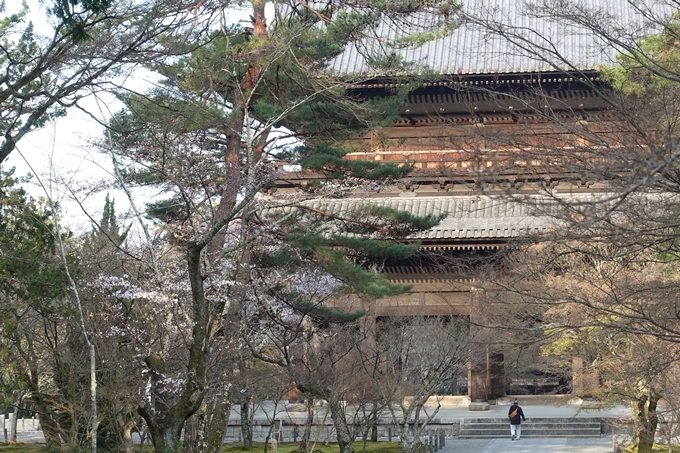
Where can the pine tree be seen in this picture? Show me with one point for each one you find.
(217, 135)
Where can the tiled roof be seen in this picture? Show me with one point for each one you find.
(476, 49)
(467, 217)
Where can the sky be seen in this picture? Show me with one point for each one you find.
(67, 166)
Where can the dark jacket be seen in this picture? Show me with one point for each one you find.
(519, 417)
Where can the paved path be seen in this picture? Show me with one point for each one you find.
(528, 445)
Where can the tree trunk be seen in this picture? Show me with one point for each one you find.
(166, 436)
(127, 437)
(409, 442)
(50, 429)
(13, 426)
(166, 423)
(191, 433)
(341, 429)
(204, 432)
(646, 420)
(126, 425)
(218, 423)
(167, 439)
(143, 437)
(374, 422)
(246, 429)
(304, 443)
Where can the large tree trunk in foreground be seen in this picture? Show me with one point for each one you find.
(166, 423)
(216, 429)
(204, 432)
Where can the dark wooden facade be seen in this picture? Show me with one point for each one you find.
(468, 140)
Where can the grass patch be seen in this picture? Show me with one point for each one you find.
(21, 448)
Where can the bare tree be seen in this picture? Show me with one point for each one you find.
(592, 147)
(411, 371)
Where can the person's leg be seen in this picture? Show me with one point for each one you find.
(518, 433)
(512, 431)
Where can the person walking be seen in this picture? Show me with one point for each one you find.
(516, 416)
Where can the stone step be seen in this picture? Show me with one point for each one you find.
(532, 425)
(536, 427)
(538, 420)
(529, 436)
(530, 433)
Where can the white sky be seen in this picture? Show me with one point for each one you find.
(62, 158)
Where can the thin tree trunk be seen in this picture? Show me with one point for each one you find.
(126, 427)
(93, 386)
(13, 426)
(143, 435)
(374, 423)
(304, 443)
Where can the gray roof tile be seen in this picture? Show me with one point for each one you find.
(470, 217)
(474, 49)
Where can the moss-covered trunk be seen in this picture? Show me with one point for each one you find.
(646, 420)
(217, 427)
(204, 432)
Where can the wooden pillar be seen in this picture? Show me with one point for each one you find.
(495, 366)
(478, 376)
(477, 380)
